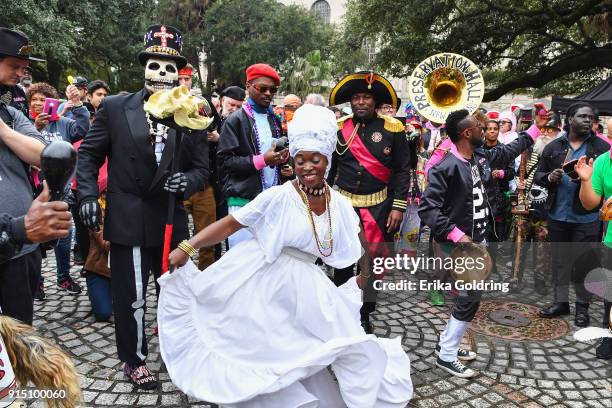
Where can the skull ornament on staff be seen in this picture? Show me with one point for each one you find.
(161, 57)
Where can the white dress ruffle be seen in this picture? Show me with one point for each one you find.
(260, 327)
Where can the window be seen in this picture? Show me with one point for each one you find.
(370, 49)
(322, 9)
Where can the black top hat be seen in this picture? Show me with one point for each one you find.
(163, 41)
(364, 81)
(16, 44)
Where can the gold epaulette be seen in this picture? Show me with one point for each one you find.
(392, 124)
(343, 119)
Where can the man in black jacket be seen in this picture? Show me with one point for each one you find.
(247, 162)
(570, 226)
(140, 153)
(456, 207)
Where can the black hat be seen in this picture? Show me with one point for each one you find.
(80, 82)
(16, 44)
(234, 92)
(363, 81)
(163, 41)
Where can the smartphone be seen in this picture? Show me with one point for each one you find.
(50, 108)
(281, 144)
(569, 169)
(526, 115)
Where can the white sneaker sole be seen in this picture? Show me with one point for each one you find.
(469, 373)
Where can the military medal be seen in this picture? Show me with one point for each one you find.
(376, 137)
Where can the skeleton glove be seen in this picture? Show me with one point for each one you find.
(90, 214)
(176, 183)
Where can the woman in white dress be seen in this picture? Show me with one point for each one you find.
(260, 327)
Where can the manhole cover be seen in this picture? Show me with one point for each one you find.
(516, 321)
(509, 318)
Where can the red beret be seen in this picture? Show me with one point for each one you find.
(262, 70)
(493, 114)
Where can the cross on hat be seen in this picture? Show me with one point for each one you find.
(164, 36)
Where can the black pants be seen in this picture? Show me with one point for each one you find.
(131, 268)
(574, 255)
(466, 306)
(81, 234)
(18, 282)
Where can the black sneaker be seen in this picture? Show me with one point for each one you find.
(462, 354)
(140, 376)
(40, 292)
(604, 350)
(69, 286)
(456, 368)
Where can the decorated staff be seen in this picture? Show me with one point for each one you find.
(145, 163)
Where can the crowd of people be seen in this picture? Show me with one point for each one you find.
(284, 189)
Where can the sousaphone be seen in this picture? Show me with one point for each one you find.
(444, 83)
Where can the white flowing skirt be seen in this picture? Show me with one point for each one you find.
(246, 333)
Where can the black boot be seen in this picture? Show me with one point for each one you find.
(582, 315)
(557, 309)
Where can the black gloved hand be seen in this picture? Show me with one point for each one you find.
(176, 183)
(90, 214)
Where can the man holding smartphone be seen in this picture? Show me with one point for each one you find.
(248, 161)
(571, 227)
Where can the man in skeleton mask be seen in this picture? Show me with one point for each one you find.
(140, 153)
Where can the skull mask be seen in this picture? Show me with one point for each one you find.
(160, 74)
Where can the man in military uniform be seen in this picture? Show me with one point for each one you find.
(371, 167)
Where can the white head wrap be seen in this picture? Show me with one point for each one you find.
(313, 129)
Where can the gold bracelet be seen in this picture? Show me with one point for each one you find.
(187, 248)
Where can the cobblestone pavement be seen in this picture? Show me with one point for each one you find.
(553, 373)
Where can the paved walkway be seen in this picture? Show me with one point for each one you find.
(558, 372)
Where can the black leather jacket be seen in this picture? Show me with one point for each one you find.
(553, 157)
(235, 151)
(447, 202)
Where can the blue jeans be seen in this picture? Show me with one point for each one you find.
(62, 256)
(99, 292)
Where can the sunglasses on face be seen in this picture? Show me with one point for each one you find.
(548, 131)
(263, 89)
(505, 122)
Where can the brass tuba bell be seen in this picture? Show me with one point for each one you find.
(444, 83)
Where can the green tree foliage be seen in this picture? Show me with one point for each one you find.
(308, 74)
(560, 44)
(238, 33)
(97, 39)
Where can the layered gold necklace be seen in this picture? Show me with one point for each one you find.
(325, 246)
(347, 145)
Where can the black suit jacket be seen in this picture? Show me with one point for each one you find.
(137, 205)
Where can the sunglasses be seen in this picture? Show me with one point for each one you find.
(505, 122)
(263, 89)
(549, 131)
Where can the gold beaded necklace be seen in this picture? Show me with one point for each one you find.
(327, 243)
